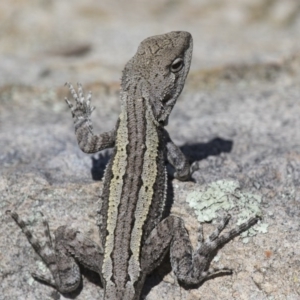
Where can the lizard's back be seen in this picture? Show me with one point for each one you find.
(134, 189)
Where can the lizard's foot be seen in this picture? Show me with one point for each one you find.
(65, 273)
(208, 248)
(82, 108)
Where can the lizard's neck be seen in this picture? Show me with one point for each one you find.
(135, 102)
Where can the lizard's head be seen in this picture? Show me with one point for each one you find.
(158, 71)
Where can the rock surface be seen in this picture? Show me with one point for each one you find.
(237, 119)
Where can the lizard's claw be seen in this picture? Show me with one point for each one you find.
(73, 92)
(68, 102)
(82, 108)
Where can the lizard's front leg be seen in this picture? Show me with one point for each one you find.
(81, 113)
(70, 247)
(190, 267)
(177, 159)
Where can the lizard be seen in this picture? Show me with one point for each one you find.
(134, 235)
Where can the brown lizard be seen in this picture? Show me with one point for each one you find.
(134, 236)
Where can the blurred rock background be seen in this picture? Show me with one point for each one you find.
(237, 118)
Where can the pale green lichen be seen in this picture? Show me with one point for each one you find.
(226, 195)
(30, 280)
(42, 266)
(216, 258)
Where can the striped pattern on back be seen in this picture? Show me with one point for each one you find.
(137, 168)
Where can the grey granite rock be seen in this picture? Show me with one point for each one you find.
(238, 120)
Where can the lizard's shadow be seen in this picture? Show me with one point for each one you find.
(193, 152)
(199, 151)
(99, 164)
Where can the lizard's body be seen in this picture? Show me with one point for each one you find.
(134, 238)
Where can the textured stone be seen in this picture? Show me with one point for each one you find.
(238, 115)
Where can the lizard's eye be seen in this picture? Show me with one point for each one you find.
(177, 65)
